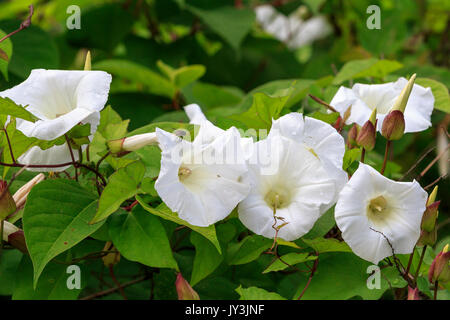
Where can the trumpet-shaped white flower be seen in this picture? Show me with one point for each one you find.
(202, 182)
(377, 215)
(290, 198)
(60, 100)
(321, 139)
(292, 30)
(363, 98)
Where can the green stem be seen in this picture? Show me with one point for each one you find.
(420, 263)
(386, 153)
(363, 153)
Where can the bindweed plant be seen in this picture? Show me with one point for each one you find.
(292, 191)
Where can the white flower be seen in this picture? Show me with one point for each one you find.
(375, 213)
(202, 182)
(292, 30)
(60, 100)
(363, 98)
(209, 131)
(292, 196)
(321, 139)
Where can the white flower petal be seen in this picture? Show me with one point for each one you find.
(302, 186)
(213, 187)
(52, 156)
(321, 138)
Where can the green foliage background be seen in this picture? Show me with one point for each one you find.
(164, 54)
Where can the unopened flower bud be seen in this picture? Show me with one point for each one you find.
(7, 203)
(17, 240)
(432, 197)
(429, 217)
(347, 113)
(413, 294)
(111, 258)
(184, 289)
(14, 236)
(393, 125)
(8, 229)
(20, 197)
(440, 269)
(367, 136)
(338, 124)
(402, 100)
(87, 63)
(352, 134)
(132, 143)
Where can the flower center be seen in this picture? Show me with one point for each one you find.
(378, 209)
(278, 198)
(183, 173)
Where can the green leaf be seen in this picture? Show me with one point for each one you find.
(254, 293)
(164, 212)
(8, 107)
(134, 72)
(6, 51)
(440, 93)
(141, 237)
(292, 258)
(55, 219)
(9, 261)
(350, 156)
(211, 96)
(322, 225)
(329, 118)
(43, 55)
(102, 27)
(183, 76)
(322, 245)
(166, 126)
(231, 24)
(122, 185)
(347, 274)
(366, 68)
(249, 249)
(52, 284)
(264, 108)
(206, 260)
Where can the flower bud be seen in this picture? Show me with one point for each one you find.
(184, 289)
(413, 294)
(440, 269)
(7, 203)
(112, 258)
(132, 143)
(393, 125)
(352, 134)
(87, 63)
(20, 197)
(432, 196)
(429, 217)
(367, 136)
(8, 229)
(17, 240)
(402, 100)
